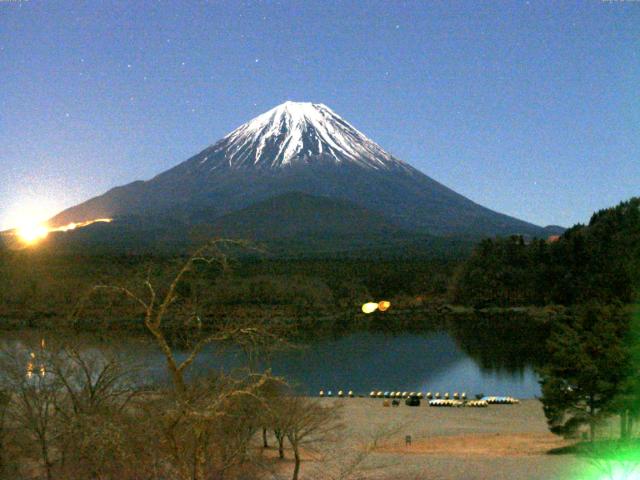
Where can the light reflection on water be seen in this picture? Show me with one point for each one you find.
(466, 376)
(360, 362)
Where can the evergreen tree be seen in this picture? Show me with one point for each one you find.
(627, 403)
(587, 366)
(599, 261)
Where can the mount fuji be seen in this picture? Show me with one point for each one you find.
(289, 164)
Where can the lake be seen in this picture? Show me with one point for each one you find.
(436, 361)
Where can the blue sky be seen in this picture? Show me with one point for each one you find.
(529, 108)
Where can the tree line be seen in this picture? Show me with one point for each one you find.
(72, 412)
(592, 350)
(595, 262)
(37, 289)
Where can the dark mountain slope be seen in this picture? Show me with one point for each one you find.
(300, 147)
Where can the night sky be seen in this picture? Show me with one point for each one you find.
(529, 108)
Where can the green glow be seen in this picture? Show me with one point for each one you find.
(615, 471)
(621, 473)
(611, 461)
(618, 460)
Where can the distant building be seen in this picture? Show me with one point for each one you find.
(553, 238)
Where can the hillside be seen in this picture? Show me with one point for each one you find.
(305, 148)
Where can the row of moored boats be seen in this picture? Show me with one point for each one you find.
(434, 399)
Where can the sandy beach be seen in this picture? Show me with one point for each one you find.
(497, 442)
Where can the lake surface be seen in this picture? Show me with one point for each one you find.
(362, 361)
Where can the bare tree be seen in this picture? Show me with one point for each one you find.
(208, 433)
(35, 394)
(350, 458)
(259, 342)
(68, 406)
(96, 389)
(203, 427)
(94, 381)
(308, 423)
(4, 403)
(276, 418)
(155, 309)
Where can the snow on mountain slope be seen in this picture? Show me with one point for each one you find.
(295, 133)
(304, 148)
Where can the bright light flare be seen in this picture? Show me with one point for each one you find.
(32, 233)
(74, 225)
(369, 307)
(620, 472)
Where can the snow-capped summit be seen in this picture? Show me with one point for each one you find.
(297, 149)
(298, 133)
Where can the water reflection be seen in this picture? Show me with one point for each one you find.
(35, 365)
(477, 357)
(506, 344)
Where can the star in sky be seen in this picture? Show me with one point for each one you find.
(479, 104)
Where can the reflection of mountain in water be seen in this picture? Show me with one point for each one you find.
(364, 361)
(360, 361)
(502, 343)
(377, 361)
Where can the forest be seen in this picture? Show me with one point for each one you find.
(40, 289)
(565, 304)
(595, 262)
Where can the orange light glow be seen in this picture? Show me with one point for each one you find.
(384, 305)
(73, 225)
(32, 233)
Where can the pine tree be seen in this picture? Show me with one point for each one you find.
(587, 366)
(627, 403)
